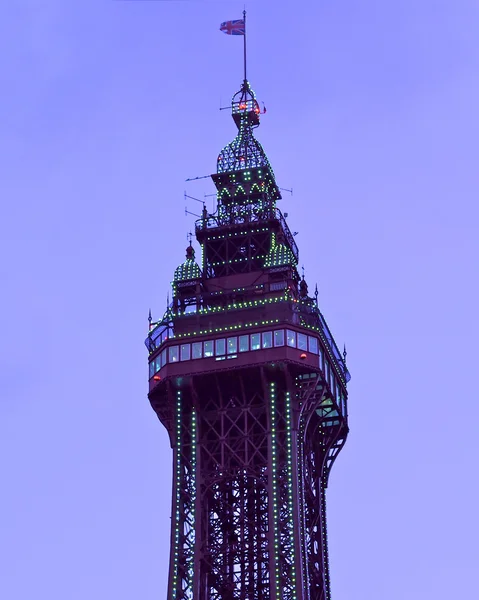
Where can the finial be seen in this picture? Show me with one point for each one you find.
(344, 354)
(316, 294)
(302, 268)
(189, 237)
(303, 287)
(167, 300)
(190, 252)
(149, 319)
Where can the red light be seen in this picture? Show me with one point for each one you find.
(157, 378)
(242, 106)
(303, 355)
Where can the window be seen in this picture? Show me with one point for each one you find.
(291, 338)
(163, 358)
(220, 347)
(328, 371)
(333, 383)
(232, 345)
(158, 363)
(279, 337)
(302, 341)
(313, 344)
(197, 350)
(152, 368)
(208, 349)
(185, 351)
(321, 359)
(243, 343)
(173, 354)
(255, 339)
(268, 339)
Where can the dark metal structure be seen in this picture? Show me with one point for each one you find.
(251, 387)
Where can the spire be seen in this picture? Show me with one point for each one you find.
(244, 153)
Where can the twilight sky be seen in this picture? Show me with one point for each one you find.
(372, 118)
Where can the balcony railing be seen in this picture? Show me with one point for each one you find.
(240, 215)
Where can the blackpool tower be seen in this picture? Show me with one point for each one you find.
(246, 377)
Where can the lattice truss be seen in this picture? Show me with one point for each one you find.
(236, 253)
(250, 480)
(248, 211)
(234, 458)
(184, 505)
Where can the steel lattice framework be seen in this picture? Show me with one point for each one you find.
(249, 383)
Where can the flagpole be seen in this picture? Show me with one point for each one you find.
(244, 43)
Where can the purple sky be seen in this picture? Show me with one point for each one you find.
(106, 108)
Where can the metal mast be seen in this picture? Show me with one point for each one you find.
(248, 381)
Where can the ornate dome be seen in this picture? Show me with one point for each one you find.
(280, 255)
(244, 152)
(189, 270)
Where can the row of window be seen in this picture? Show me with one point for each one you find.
(229, 347)
(234, 344)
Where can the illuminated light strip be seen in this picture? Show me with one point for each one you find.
(259, 286)
(289, 457)
(274, 485)
(239, 305)
(324, 533)
(194, 442)
(324, 528)
(236, 234)
(221, 329)
(177, 474)
(236, 260)
(302, 524)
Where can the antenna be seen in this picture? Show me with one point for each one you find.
(188, 212)
(193, 198)
(286, 190)
(195, 178)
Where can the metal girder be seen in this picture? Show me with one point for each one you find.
(252, 450)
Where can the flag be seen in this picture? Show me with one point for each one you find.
(233, 27)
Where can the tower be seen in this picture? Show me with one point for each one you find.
(248, 381)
